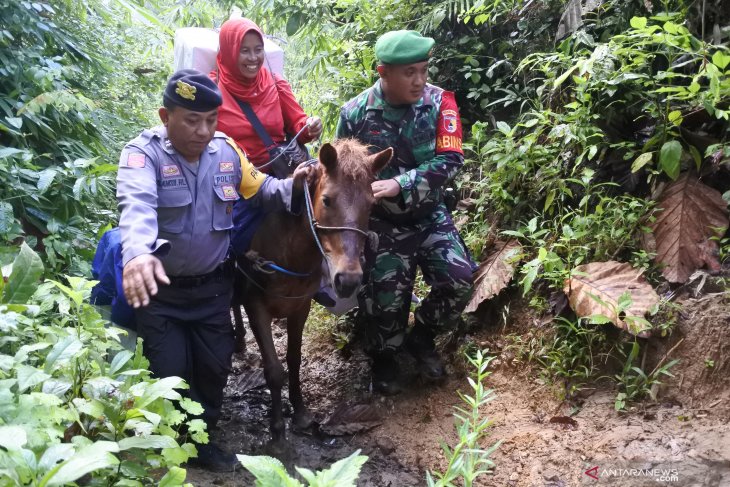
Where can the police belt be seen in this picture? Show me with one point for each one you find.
(224, 270)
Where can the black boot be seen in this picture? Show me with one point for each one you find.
(211, 457)
(385, 373)
(420, 344)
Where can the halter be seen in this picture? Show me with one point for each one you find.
(314, 226)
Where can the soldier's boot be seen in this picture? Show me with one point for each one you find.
(385, 373)
(419, 343)
(211, 457)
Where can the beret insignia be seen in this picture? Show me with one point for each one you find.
(185, 90)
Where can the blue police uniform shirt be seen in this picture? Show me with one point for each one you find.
(181, 213)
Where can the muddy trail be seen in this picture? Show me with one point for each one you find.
(681, 439)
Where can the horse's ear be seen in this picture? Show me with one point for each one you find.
(380, 160)
(328, 157)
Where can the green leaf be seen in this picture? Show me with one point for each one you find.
(638, 22)
(16, 122)
(675, 117)
(23, 281)
(269, 472)
(96, 456)
(549, 200)
(342, 473)
(151, 441)
(696, 156)
(59, 452)
(191, 406)
(175, 456)
(293, 24)
(6, 152)
(45, 179)
(641, 161)
(669, 156)
(6, 217)
(161, 388)
(119, 360)
(559, 81)
(12, 437)
(173, 478)
(29, 377)
(504, 128)
(720, 59)
(62, 352)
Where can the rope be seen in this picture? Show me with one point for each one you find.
(253, 281)
(288, 146)
(260, 264)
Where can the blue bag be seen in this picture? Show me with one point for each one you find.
(107, 269)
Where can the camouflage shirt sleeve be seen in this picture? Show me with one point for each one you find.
(420, 183)
(343, 129)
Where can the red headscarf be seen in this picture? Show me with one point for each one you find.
(263, 88)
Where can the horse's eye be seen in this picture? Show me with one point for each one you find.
(326, 201)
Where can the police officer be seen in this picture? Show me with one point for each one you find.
(177, 184)
(421, 123)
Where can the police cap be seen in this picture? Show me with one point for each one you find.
(193, 90)
(403, 47)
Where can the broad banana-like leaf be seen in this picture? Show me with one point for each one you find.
(23, 281)
(612, 291)
(494, 273)
(691, 214)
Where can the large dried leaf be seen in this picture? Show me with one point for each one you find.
(691, 213)
(494, 273)
(601, 288)
(348, 419)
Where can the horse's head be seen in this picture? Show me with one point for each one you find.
(341, 204)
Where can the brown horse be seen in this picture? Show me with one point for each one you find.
(340, 208)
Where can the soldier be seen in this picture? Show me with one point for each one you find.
(176, 187)
(421, 123)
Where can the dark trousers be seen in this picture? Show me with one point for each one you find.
(187, 333)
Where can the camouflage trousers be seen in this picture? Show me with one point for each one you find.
(434, 245)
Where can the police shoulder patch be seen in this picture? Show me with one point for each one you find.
(135, 159)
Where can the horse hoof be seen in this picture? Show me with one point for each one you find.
(276, 448)
(302, 421)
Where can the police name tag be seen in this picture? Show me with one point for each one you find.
(229, 192)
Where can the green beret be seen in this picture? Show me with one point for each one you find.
(403, 47)
(193, 90)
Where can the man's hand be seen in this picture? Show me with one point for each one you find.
(139, 279)
(301, 173)
(385, 188)
(315, 126)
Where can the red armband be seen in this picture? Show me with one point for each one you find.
(448, 127)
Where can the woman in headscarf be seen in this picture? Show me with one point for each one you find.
(242, 76)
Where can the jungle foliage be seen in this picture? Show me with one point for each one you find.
(577, 148)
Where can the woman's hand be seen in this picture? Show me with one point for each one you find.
(315, 127)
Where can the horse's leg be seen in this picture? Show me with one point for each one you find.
(294, 329)
(259, 320)
(238, 329)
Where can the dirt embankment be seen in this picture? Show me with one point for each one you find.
(682, 439)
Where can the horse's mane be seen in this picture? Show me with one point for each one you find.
(350, 155)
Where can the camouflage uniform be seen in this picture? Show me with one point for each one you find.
(414, 228)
